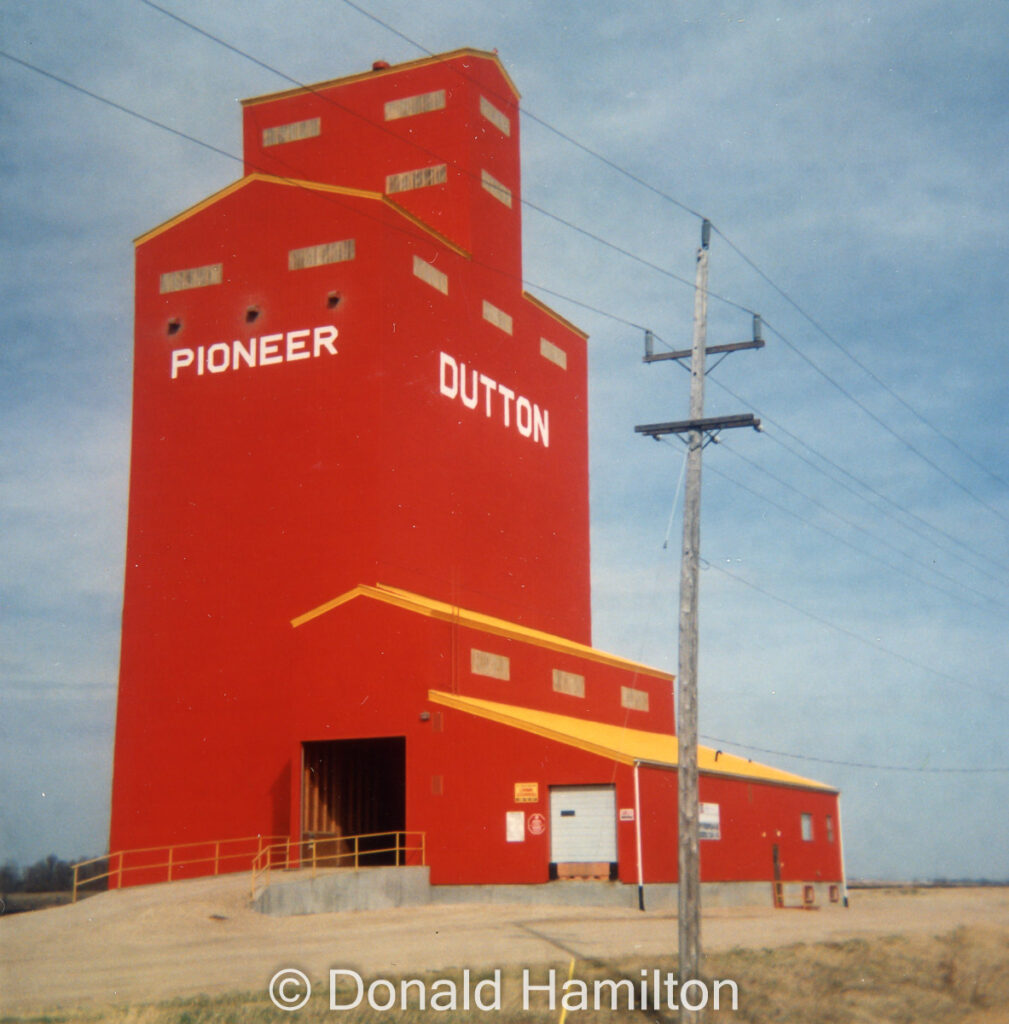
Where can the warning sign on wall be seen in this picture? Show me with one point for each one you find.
(626, 813)
(527, 792)
(537, 824)
(515, 826)
(709, 823)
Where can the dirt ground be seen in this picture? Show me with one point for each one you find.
(157, 942)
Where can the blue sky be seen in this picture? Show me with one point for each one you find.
(855, 591)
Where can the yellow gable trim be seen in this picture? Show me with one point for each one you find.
(310, 186)
(482, 623)
(438, 58)
(616, 743)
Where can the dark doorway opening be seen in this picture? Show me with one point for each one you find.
(354, 801)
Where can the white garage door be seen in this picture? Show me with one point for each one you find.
(583, 824)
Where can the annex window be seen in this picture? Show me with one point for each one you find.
(570, 683)
(830, 829)
(807, 828)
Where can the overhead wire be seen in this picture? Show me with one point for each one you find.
(985, 557)
(850, 355)
(218, 150)
(628, 253)
(960, 682)
(637, 179)
(861, 529)
(916, 769)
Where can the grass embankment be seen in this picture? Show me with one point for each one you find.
(958, 978)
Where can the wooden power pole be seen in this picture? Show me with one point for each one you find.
(697, 431)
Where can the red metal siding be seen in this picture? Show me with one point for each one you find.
(393, 452)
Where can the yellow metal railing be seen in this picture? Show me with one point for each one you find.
(328, 850)
(170, 863)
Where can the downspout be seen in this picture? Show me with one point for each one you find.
(637, 832)
(840, 847)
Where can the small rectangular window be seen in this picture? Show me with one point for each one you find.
(807, 828)
(293, 132)
(570, 683)
(484, 663)
(501, 192)
(408, 106)
(423, 177)
(634, 700)
(498, 118)
(830, 829)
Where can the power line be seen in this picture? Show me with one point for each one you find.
(617, 248)
(765, 277)
(417, 145)
(860, 529)
(985, 557)
(903, 440)
(154, 122)
(858, 362)
(961, 683)
(837, 537)
(922, 770)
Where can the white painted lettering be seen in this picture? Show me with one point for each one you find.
(269, 349)
(507, 394)
(489, 387)
(323, 338)
(221, 361)
(239, 353)
(181, 358)
(457, 380)
(296, 345)
(468, 400)
(524, 416)
(541, 426)
(449, 377)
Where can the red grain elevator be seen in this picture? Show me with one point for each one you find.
(357, 587)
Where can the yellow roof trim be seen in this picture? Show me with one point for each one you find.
(482, 623)
(617, 743)
(539, 304)
(311, 186)
(191, 211)
(438, 58)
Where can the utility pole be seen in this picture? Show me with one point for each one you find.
(698, 431)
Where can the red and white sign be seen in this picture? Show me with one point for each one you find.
(537, 824)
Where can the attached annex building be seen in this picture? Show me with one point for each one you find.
(357, 588)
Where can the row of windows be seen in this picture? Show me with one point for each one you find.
(394, 110)
(808, 832)
(498, 666)
(342, 251)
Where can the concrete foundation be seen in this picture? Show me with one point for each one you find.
(367, 889)
(384, 887)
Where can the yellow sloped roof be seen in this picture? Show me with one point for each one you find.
(483, 623)
(617, 743)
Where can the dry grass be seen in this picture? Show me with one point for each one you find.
(958, 978)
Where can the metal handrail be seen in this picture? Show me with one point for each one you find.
(290, 855)
(172, 863)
